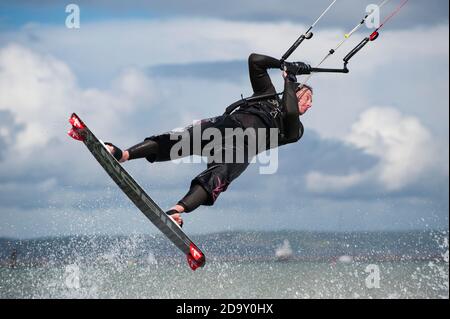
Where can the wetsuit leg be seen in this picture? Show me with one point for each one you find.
(148, 149)
(194, 198)
(158, 148)
(217, 178)
(208, 185)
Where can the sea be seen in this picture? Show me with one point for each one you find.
(240, 265)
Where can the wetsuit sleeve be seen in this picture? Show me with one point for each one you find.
(293, 129)
(258, 65)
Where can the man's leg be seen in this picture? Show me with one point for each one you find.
(206, 188)
(196, 197)
(156, 148)
(208, 185)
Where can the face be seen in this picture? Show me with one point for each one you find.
(305, 100)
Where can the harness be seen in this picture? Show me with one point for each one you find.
(251, 101)
(267, 107)
(276, 111)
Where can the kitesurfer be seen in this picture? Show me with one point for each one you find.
(264, 112)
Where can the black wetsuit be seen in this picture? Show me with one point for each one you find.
(270, 113)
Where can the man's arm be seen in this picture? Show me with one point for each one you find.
(292, 125)
(258, 65)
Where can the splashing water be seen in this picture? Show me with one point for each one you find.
(127, 268)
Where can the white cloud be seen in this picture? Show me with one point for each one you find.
(407, 151)
(322, 183)
(113, 45)
(99, 51)
(33, 88)
(406, 148)
(41, 92)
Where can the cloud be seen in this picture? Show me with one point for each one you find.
(48, 171)
(407, 153)
(41, 91)
(343, 13)
(227, 71)
(29, 85)
(406, 148)
(9, 130)
(319, 182)
(100, 51)
(109, 46)
(37, 95)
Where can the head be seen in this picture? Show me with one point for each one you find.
(305, 98)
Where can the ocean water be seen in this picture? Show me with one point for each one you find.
(401, 266)
(230, 280)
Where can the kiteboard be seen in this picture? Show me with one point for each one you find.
(135, 193)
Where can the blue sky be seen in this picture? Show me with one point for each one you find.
(375, 151)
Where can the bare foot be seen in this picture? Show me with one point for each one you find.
(110, 149)
(177, 219)
(125, 154)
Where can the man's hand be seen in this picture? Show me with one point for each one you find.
(296, 68)
(177, 219)
(175, 213)
(289, 76)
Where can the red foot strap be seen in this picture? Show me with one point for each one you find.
(76, 122)
(77, 126)
(195, 258)
(75, 134)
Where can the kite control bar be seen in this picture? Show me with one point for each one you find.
(307, 35)
(372, 37)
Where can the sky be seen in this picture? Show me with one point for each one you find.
(374, 157)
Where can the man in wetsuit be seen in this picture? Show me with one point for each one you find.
(261, 116)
